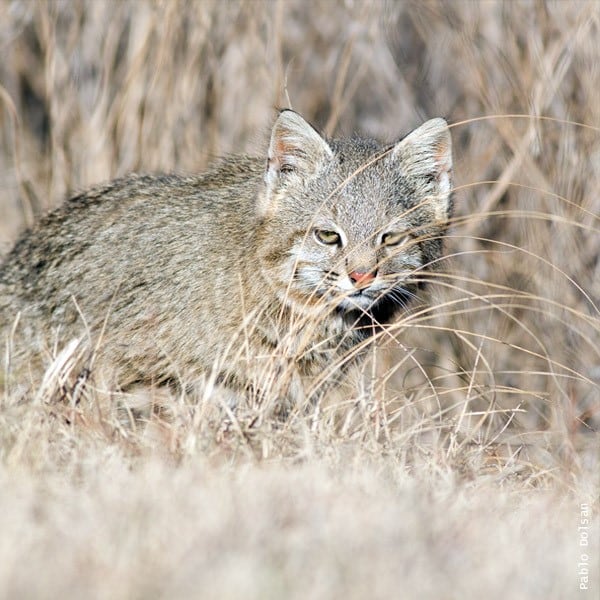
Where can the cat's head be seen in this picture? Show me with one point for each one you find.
(351, 225)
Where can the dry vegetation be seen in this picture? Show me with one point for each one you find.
(460, 461)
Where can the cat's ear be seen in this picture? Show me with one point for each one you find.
(295, 147)
(426, 155)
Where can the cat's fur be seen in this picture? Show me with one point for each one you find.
(261, 272)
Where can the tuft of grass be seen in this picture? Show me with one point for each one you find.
(464, 455)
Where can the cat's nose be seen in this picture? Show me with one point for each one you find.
(361, 278)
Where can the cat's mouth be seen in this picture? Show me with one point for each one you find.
(362, 297)
(361, 300)
(380, 305)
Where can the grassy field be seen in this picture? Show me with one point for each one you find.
(464, 461)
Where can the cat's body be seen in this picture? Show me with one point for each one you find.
(263, 277)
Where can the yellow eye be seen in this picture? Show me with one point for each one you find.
(327, 237)
(393, 238)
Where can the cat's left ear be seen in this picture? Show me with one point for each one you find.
(426, 154)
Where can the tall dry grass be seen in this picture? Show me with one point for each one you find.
(461, 458)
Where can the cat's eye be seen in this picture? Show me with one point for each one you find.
(394, 238)
(327, 237)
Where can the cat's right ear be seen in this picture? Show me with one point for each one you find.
(425, 156)
(296, 148)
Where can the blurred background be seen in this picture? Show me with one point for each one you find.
(91, 90)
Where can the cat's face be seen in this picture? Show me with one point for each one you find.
(353, 269)
(357, 227)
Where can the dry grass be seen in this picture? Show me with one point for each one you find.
(460, 459)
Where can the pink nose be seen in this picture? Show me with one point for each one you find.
(359, 278)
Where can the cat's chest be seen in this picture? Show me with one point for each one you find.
(310, 344)
(329, 345)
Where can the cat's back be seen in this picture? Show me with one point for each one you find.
(131, 233)
(225, 190)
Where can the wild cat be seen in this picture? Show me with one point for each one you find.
(261, 272)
